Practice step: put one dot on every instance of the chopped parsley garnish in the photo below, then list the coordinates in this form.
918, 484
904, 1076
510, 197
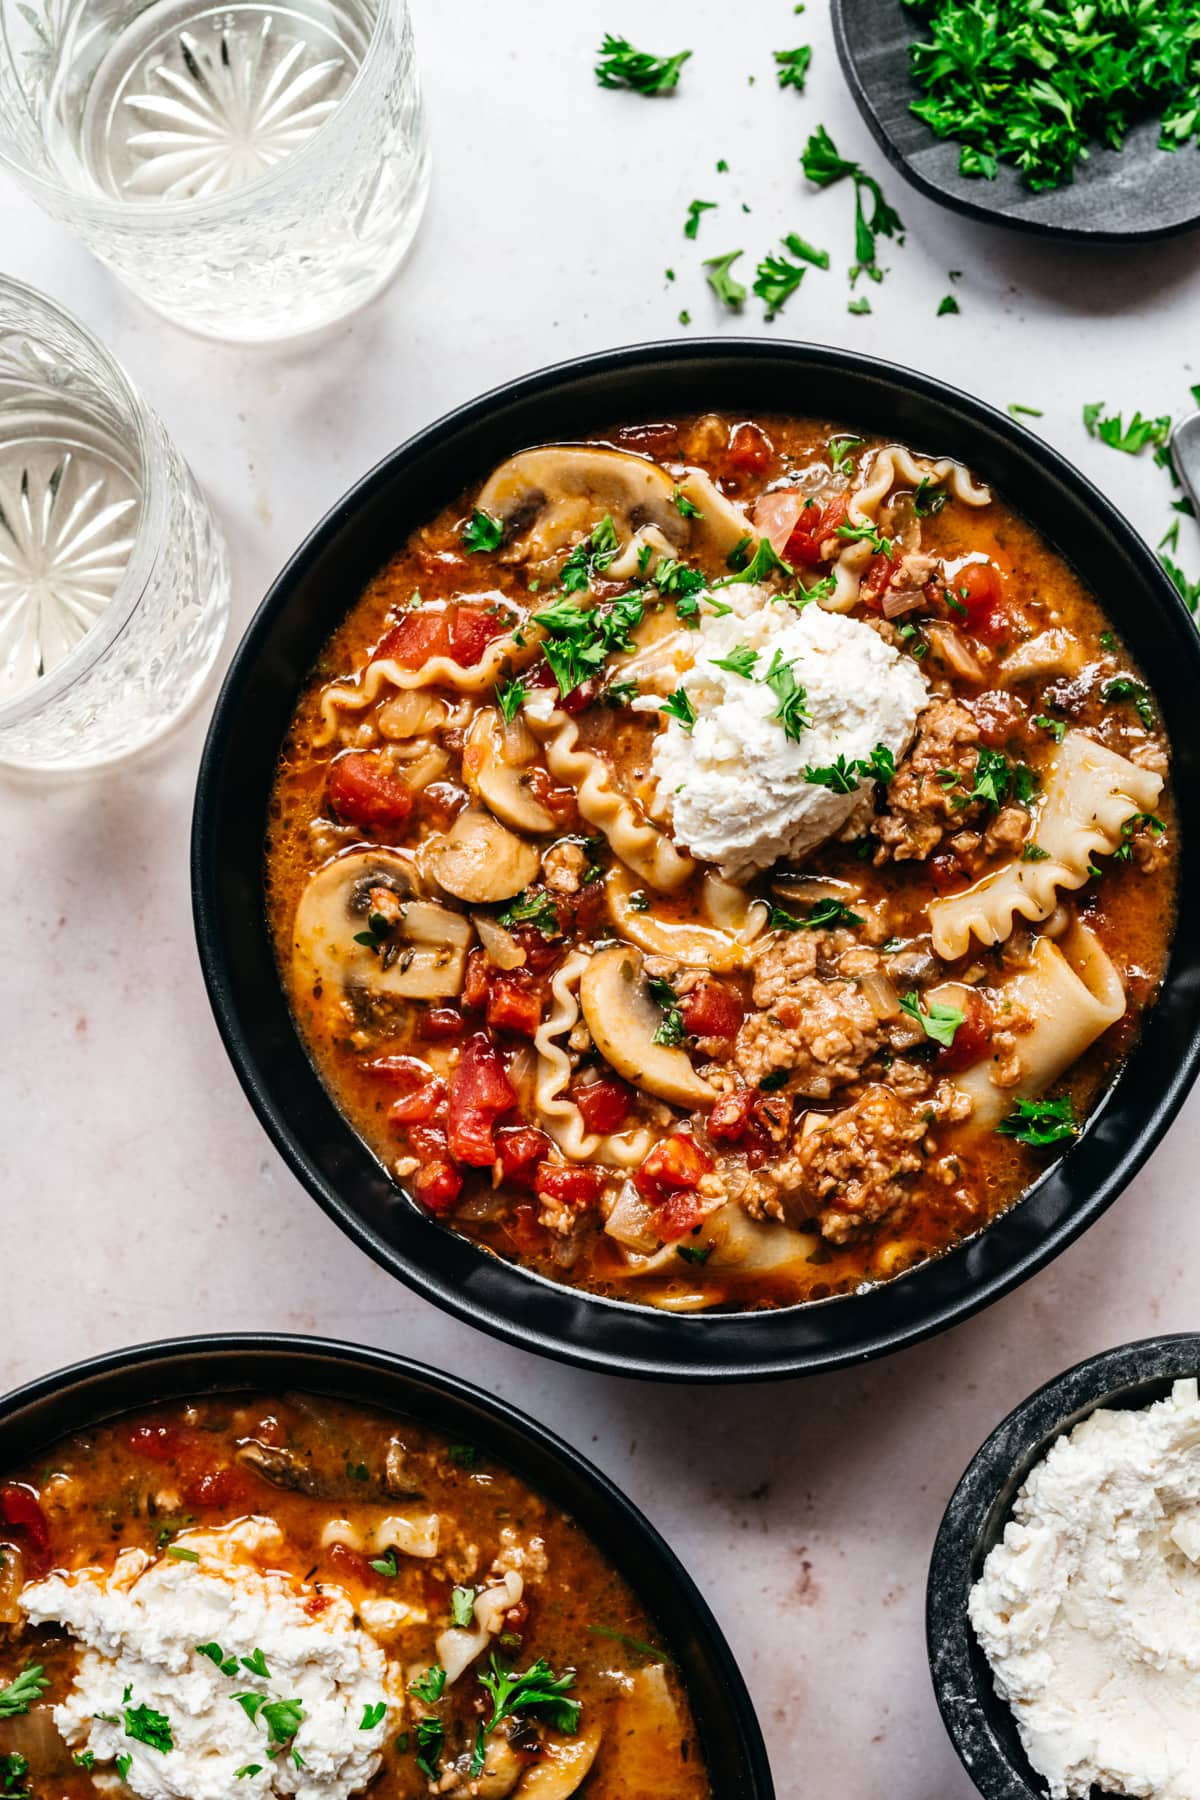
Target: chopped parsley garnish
947, 304
860, 306
228, 1665
257, 1665
677, 581
691, 1253
618, 693
1040, 1122
791, 66
13, 1769
462, 1605
429, 1687
1033, 85
463, 1456
482, 532
510, 697
640, 901
84, 1759
670, 1031
773, 1080
937, 1022
873, 217
358, 1471
1188, 591
124, 1764
386, 1565
177, 1552
991, 778
1129, 830
146, 1726
247, 1769
722, 281
1035, 853
1131, 438
740, 661
538, 910
1056, 727
1025, 783
776, 280
928, 499
805, 251
621, 66
840, 451
431, 1736
868, 533
842, 776
765, 561
373, 1715
1027, 412
695, 208
373, 938
826, 914
684, 506
579, 639
590, 557
1123, 687
792, 714
678, 706
537, 1690
20, 1694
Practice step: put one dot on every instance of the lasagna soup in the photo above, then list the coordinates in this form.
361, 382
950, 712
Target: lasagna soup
296, 1596
719, 865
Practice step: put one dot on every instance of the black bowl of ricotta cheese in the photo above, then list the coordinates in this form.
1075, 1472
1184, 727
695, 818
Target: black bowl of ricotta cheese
980, 1723
310, 598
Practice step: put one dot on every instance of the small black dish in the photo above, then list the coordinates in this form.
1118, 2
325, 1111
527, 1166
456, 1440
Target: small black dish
980, 1724
312, 595
73, 1399
1116, 196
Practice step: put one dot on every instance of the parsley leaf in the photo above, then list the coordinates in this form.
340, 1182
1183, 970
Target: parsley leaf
537, 1689
793, 714
510, 697
1129, 830
805, 251
20, 1694
947, 304
1131, 438
873, 217
678, 706
928, 498
538, 910
482, 532
1123, 687
1056, 727
462, 1605
740, 661
621, 66
695, 208
684, 506
373, 1715
825, 915
991, 778
765, 561
671, 1030
839, 776
937, 1022
840, 451
590, 557
431, 1736
146, 1726
775, 281
1040, 1122
867, 533
791, 66
722, 281
691, 1253
430, 1686
13, 1769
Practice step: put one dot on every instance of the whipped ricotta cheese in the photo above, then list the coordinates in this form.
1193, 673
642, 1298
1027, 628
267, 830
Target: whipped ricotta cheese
1089, 1609
139, 1625
733, 788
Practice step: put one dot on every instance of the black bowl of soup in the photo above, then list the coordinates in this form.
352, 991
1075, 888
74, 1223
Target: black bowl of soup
219, 1552
686, 859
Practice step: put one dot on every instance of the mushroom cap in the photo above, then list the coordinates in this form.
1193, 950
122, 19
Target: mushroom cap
622, 1018
479, 860
686, 940
553, 495
502, 785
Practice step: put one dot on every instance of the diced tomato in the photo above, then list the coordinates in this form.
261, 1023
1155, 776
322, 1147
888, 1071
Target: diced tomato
472, 629
316, 1604
998, 715
679, 1213
980, 588
223, 1486
363, 792
547, 792
158, 1442
480, 1093
730, 1116
350, 1566
418, 637
406, 1072
676, 1162
570, 1184
21, 1513
815, 524
946, 871
750, 449
513, 1005
540, 953
441, 1022
441, 802
438, 1182
520, 1148
877, 579
477, 980
580, 698
711, 1009
972, 1038
419, 1107
423, 1093
604, 1104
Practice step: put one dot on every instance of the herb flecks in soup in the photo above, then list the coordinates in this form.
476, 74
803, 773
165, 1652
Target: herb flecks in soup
718, 866
301, 1597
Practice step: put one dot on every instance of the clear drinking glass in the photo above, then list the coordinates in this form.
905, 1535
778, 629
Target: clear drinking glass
253, 171
114, 582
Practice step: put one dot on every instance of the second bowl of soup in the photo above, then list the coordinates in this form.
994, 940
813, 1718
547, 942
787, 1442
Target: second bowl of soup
718, 861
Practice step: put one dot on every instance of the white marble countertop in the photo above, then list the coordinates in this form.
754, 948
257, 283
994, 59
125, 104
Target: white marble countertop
141, 1197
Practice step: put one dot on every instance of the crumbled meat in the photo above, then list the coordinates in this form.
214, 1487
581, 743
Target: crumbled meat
822, 1032
923, 802
912, 572
564, 867
1149, 849
1007, 831
1150, 755
853, 1166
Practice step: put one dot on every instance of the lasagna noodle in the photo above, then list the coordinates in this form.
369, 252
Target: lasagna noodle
360, 693
561, 1117
1090, 794
888, 466
1073, 993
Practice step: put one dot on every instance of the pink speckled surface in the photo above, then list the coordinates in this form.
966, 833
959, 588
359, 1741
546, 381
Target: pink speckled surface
141, 1197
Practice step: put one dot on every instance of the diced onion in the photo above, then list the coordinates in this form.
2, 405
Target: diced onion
952, 650
500, 946
879, 994
901, 600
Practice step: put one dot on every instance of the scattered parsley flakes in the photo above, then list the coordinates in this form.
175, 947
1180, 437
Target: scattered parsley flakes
805, 251
1188, 591
538, 910
30, 1684
765, 561
481, 532
947, 304
722, 281
791, 66
824, 166
691, 1253
792, 714
678, 706
388, 1565
825, 915
1056, 727
228, 1665
775, 281
670, 1031
177, 1552
590, 557
840, 451
740, 661
1040, 1122
510, 697
1132, 438
462, 1606
929, 498
1030, 412
640, 901
537, 1690
992, 778
247, 1769
685, 317
695, 208
621, 66
147, 1726
429, 1687
1034, 853
463, 1456
1123, 687
860, 306
937, 1022
373, 1715
868, 533
684, 506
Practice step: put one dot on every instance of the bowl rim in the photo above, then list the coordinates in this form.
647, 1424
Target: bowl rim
225, 1362
1130, 1375
734, 1346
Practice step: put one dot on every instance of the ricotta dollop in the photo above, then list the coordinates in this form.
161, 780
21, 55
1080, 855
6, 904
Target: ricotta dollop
733, 787
1089, 1609
140, 1624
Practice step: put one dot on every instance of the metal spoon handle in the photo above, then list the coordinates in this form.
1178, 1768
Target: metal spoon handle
1185, 448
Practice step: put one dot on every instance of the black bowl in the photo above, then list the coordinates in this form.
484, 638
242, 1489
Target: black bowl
980, 1724
322, 581
74, 1399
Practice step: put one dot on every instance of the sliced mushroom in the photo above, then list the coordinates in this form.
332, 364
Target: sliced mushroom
683, 939
623, 1019
564, 1764
550, 497
502, 786
281, 1467
755, 1247
480, 860
418, 951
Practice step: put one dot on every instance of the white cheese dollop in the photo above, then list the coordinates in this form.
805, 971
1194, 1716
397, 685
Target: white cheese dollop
1089, 1609
734, 787
139, 1625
